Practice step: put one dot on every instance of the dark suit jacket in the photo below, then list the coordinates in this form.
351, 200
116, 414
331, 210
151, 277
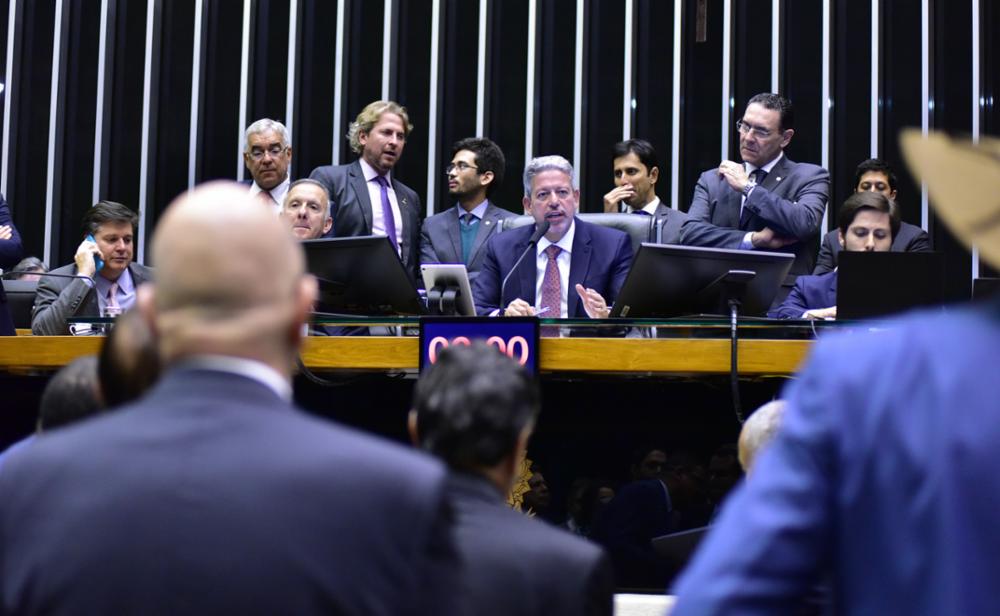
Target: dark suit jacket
809, 293
601, 259
514, 564
58, 299
351, 208
10, 254
790, 200
670, 221
214, 496
441, 238
910, 238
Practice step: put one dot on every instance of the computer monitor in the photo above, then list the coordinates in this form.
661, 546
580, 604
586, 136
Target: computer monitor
20, 300
361, 276
669, 281
874, 284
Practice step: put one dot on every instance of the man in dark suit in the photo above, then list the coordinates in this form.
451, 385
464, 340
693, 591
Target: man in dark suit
10, 253
267, 154
578, 268
213, 494
636, 172
107, 290
459, 234
867, 221
767, 202
475, 409
874, 174
366, 199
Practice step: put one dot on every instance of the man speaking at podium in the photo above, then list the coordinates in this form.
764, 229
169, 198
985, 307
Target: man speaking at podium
578, 268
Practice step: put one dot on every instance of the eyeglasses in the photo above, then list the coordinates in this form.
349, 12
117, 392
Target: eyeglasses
275, 151
460, 165
746, 128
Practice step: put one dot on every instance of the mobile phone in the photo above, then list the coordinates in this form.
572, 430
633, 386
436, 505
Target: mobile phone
98, 262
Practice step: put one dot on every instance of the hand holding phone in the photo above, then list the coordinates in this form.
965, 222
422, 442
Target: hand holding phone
98, 261
88, 257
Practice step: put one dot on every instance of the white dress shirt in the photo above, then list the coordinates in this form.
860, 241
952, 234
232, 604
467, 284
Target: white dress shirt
563, 262
277, 193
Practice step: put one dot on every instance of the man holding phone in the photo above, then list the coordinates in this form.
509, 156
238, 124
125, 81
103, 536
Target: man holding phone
101, 281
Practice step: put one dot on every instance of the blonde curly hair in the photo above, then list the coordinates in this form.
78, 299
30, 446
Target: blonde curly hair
368, 118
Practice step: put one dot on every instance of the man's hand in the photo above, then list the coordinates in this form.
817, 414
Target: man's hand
84, 258
5, 232
821, 313
767, 238
734, 174
519, 308
593, 304
616, 196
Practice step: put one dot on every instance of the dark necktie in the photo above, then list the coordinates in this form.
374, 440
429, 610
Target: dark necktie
469, 228
745, 213
388, 220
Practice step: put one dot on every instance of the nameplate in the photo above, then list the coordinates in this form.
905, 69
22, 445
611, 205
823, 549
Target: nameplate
515, 337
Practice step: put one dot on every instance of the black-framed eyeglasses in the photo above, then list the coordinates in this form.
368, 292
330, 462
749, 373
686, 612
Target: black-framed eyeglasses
275, 151
460, 165
746, 128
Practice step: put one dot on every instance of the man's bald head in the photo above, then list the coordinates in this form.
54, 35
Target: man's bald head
229, 279
759, 430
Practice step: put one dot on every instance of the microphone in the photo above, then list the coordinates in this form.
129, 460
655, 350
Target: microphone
17, 275
540, 230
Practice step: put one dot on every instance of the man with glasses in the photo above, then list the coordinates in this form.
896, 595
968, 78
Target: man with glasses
365, 196
767, 202
267, 154
459, 234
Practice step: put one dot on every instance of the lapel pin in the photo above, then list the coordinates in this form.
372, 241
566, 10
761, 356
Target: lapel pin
486, 222
778, 179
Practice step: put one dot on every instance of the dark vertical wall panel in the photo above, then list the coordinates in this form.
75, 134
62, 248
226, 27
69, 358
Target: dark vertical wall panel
413, 53
74, 170
506, 90
313, 128
701, 96
952, 111
602, 99
801, 76
989, 84
171, 120
5, 30
218, 118
363, 72
901, 86
555, 52
458, 91
269, 53
654, 74
751, 60
851, 123
29, 137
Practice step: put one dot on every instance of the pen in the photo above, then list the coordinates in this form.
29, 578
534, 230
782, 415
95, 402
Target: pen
541, 311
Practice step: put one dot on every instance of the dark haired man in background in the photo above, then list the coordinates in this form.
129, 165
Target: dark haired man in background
636, 172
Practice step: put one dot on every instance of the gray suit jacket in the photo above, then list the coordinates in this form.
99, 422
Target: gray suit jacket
441, 238
351, 208
670, 222
790, 200
909, 238
58, 299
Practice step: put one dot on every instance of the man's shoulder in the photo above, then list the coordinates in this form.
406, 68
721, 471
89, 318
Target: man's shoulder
789, 166
492, 209
333, 172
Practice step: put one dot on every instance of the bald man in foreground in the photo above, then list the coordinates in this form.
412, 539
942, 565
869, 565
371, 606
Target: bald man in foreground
213, 494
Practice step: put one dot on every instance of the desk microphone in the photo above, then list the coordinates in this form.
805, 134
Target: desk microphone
540, 230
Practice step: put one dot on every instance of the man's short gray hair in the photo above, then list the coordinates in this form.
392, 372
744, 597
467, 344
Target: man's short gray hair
547, 163
263, 125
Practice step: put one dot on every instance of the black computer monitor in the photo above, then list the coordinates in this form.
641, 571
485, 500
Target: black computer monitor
669, 281
874, 284
361, 276
20, 300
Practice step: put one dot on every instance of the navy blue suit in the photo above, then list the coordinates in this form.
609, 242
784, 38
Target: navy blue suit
809, 293
883, 475
212, 495
10, 254
600, 260
790, 201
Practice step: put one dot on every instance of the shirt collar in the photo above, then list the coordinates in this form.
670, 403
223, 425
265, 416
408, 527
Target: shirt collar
479, 211
277, 193
371, 173
650, 208
566, 242
767, 168
125, 284
249, 368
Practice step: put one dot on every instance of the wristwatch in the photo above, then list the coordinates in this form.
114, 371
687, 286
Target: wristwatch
746, 189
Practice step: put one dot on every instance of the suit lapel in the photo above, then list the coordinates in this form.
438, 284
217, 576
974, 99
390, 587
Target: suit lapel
579, 265
733, 201
360, 186
528, 269
486, 226
405, 210
453, 229
776, 177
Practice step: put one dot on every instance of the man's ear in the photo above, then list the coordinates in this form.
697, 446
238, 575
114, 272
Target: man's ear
654, 175
411, 427
486, 178
526, 202
786, 137
840, 238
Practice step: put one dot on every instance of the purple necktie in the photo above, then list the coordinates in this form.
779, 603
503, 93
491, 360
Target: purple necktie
388, 220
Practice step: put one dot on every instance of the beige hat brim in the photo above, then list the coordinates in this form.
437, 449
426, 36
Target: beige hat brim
963, 182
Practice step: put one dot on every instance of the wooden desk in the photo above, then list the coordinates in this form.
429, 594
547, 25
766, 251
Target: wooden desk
608, 355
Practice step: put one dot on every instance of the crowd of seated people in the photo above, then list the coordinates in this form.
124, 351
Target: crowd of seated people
764, 201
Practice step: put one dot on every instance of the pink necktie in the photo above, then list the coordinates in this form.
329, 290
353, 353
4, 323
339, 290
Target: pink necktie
111, 308
551, 290
265, 198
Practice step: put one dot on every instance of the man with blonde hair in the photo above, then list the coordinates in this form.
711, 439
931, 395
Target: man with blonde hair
366, 198
213, 494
